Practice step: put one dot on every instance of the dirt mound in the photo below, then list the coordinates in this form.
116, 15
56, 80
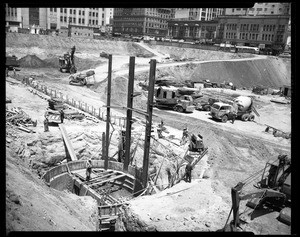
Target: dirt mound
23, 44
200, 54
271, 72
81, 64
31, 61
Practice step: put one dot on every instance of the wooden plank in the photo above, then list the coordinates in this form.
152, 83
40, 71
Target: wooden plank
98, 178
68, 143
107, 180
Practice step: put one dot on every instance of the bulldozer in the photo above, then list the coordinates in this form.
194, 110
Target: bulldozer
66, 62
274, 191
82, 79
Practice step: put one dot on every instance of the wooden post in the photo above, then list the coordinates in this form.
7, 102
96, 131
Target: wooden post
149, 121
108, 109
129, 112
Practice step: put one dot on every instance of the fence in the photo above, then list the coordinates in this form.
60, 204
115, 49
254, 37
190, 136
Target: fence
98, 113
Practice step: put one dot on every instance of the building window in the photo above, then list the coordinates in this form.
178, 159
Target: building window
74, 19
96, 14
61, 18
70, 11
65, 10
79, 12
79, 20
102, 15
61, 10
93, 13
96, 22
65, 19
83, 13
51, 9
74, 11
93, 22
82, 21
272, 12
102, 9
54, 9
90, 14
102, 22
90, 21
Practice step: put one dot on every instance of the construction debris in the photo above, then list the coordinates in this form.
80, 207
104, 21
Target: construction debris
56, 104
17, 117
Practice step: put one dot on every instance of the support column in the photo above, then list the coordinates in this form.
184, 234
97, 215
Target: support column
108, 110
129, 112
149, 121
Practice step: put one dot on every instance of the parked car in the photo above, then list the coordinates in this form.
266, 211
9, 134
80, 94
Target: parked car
181, 41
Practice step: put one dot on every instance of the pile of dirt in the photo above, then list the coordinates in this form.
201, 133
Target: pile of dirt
31, 61
81, 64
200, 54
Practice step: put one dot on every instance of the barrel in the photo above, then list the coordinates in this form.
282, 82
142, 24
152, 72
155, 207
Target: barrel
243, 102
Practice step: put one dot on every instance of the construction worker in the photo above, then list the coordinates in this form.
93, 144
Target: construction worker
188, 172
46, 126
185, 135
88, 169
72, 54
233, 112
160, 129
62, 115
121, 151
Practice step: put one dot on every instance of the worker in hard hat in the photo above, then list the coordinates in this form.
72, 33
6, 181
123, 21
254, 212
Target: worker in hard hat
185, 135
88, 169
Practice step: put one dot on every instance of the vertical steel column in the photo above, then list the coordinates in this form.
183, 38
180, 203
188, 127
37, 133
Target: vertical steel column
108, 110
149, 121
103, 145
129, 112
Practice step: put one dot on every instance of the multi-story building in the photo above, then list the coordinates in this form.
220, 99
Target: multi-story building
93, 17
192, 30
13, 18
56, 18
204, 14
141, 21
263, 31
261, 9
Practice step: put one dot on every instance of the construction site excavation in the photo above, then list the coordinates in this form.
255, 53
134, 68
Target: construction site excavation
106, 135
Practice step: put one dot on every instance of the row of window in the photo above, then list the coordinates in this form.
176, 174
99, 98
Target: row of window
80, 21
73, 11
231, 26
11, 11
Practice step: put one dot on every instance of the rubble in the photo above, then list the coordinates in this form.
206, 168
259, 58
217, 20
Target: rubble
17, 117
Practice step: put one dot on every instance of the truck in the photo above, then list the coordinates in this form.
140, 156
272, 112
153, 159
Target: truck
205, 105
66, 62
178, 99
82, 79
11, 64
243, 105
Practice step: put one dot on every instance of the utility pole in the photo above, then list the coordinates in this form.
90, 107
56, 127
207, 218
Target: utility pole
129, 112
149, 121
108, 110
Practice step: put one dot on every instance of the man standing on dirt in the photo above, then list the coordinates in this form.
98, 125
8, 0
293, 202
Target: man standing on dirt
46, 127
62, 116
185, 135
234, 112
72, 54
188, 172
88, 169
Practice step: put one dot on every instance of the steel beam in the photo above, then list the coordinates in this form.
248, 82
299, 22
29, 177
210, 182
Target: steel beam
149, 121
67, 142
129, 112
108, 110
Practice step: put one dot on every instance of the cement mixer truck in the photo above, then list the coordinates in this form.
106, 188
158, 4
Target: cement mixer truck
243, 105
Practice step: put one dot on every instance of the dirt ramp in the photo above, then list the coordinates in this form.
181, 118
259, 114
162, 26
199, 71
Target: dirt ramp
271, 72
